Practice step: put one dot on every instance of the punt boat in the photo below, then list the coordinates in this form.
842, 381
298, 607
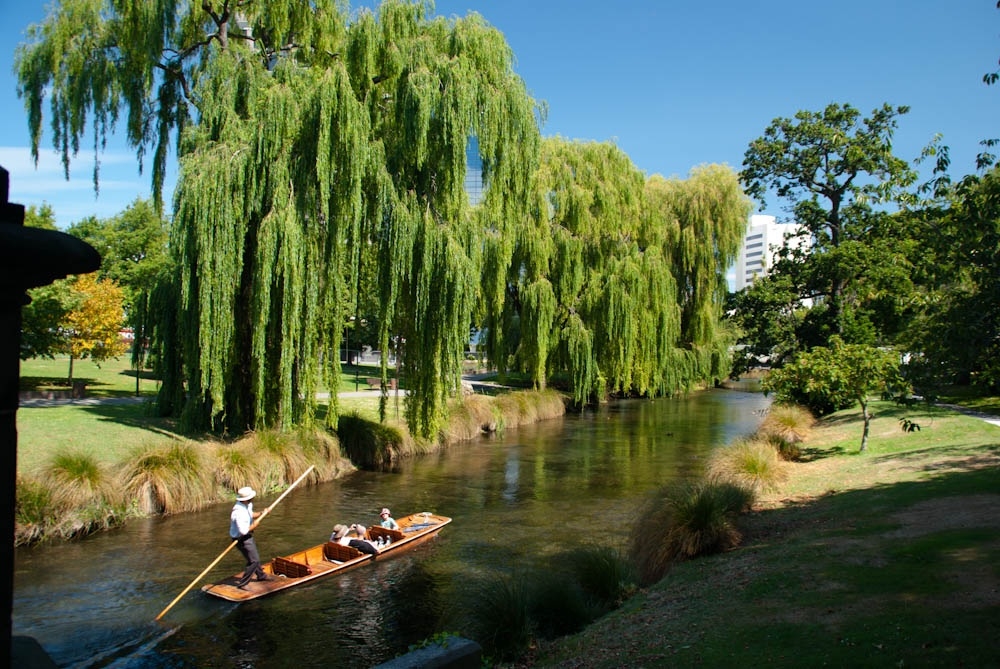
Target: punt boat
330, 558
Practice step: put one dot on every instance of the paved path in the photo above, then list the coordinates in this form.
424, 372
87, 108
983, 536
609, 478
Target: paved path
989, 418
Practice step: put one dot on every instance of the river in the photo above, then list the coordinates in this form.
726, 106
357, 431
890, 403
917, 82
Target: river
532, 491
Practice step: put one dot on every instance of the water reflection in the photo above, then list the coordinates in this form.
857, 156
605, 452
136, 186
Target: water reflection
515, 498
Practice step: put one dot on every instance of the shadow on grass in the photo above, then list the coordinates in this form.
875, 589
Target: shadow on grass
145, 374
137, 415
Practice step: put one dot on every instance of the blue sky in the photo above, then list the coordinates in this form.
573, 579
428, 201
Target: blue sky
674, 85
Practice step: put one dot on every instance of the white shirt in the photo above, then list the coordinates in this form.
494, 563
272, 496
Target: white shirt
240, 519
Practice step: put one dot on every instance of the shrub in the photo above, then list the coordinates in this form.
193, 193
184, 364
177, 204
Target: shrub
751, 463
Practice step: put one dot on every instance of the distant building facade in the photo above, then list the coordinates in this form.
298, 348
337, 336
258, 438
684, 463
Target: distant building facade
765, 236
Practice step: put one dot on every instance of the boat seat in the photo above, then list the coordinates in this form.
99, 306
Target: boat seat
290, 568
375, 531
339, 553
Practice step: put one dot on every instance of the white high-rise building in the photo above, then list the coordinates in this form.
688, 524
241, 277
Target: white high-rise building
760, 247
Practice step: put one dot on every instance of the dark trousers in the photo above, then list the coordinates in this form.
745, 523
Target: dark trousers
247, 546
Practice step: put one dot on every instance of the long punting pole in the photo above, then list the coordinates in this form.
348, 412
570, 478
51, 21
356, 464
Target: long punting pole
230, 546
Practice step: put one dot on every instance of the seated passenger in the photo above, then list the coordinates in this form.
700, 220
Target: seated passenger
388, 521
353, 536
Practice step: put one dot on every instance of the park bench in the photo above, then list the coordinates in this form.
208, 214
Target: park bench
376, 384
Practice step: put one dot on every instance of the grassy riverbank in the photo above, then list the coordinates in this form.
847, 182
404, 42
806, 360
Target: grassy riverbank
888, 558
87, 466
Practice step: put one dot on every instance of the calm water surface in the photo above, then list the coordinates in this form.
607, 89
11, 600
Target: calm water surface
534, 491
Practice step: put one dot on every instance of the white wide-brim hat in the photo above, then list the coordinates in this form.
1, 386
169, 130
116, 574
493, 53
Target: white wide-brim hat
245, 494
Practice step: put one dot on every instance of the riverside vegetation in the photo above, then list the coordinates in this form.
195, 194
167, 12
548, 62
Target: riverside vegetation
84, 468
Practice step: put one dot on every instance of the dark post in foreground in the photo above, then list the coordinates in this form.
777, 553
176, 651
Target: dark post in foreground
29, 258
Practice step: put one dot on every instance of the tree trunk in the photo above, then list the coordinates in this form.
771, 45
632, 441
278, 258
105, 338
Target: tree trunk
71, 370
868, 420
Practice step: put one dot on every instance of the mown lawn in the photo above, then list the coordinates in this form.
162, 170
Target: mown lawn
110, 431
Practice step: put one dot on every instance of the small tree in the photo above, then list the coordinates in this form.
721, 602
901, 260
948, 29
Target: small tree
826, 379
94, 326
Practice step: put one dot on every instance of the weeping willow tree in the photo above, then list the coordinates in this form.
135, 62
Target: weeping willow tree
707, 215
308, 140
618, 281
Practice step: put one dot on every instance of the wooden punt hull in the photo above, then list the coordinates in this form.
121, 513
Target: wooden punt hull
326, 559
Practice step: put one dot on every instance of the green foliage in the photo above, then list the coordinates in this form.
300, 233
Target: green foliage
592, 288
827, 379
833, 167
326, 181
42, 320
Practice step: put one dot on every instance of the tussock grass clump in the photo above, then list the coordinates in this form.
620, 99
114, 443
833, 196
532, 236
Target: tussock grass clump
78, 479
240, 464
751, 462
168, 479
278, 447
59, 506
604, 574
322, 449
35, 510
684, 521
470, 416
558, 606
369, 444
528, 406
499, 614
786, 426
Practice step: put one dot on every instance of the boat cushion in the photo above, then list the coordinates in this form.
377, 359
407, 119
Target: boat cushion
290, 568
